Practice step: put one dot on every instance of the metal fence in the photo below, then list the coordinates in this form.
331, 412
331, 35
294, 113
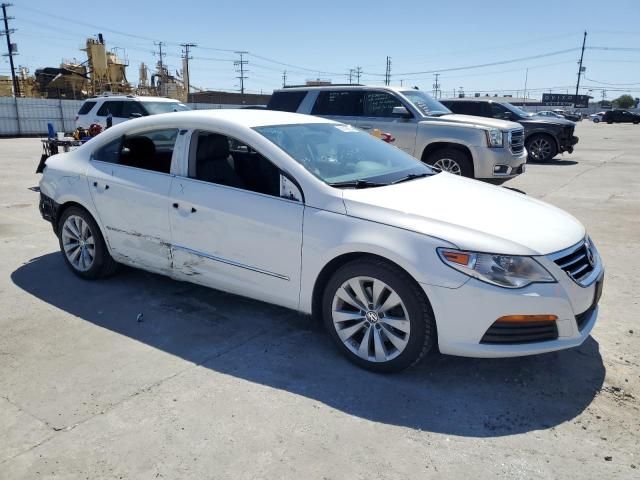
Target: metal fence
30, 116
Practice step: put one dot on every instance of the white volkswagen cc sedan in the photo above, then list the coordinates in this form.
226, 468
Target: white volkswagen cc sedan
322, 218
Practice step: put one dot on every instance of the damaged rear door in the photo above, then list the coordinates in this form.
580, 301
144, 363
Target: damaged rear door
130, 180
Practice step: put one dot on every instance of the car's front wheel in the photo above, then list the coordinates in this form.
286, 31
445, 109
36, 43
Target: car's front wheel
541, 148
378, 316
83, 246
596, 120
452, 161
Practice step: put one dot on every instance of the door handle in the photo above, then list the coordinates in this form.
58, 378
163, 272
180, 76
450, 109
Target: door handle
95, 184
193, 210
106, 187
175, 205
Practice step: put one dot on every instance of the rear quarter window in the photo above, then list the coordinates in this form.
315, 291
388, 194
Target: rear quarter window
286, 101
86, 108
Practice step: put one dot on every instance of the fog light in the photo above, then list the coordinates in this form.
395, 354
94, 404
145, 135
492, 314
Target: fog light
501, 169
527, 318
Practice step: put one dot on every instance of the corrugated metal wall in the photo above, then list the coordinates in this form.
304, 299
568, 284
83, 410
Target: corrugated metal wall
29, 116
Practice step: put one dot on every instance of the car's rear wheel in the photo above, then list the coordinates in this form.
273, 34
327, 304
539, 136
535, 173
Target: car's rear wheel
378, 316
83, 246
541, 148
452, 161
596, 120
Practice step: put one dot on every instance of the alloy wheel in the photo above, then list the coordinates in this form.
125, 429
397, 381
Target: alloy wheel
540, 148
78, 243
448, 165
371, 319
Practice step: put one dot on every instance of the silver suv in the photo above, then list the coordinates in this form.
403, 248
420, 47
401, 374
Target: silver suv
482, 148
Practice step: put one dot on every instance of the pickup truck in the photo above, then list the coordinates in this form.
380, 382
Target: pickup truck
487, 149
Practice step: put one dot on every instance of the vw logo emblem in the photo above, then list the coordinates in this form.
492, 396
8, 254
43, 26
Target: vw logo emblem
372, 316
590, 257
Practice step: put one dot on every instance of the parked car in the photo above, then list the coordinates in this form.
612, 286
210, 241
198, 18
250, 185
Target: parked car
597, 117
490, 150
122, 108
392, 255
549, 113
573, 116
544, 137
620, 116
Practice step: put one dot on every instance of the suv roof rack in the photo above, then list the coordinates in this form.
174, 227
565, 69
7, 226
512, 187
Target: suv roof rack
329, 85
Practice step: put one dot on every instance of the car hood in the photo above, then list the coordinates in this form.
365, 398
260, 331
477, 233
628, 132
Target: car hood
469, 214
477, 121
547, 121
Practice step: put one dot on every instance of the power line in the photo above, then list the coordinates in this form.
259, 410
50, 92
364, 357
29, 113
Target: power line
11, 48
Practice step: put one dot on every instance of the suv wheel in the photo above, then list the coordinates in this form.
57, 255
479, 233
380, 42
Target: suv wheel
83, 246
377, 315
452, 161
541, 148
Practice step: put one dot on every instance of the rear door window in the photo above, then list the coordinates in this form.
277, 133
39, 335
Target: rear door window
286, 101
86, 108
113, 108
339, 103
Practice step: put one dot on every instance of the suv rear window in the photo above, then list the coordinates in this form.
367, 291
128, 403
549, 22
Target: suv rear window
345, 103
86, 108
286, 101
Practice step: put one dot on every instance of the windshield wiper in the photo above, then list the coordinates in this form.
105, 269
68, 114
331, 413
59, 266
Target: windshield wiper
412, 176
357, 184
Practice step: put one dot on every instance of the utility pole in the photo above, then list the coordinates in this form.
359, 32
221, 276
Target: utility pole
358, 73
436, 86
185, 66
351, 73
526, 78
11, 48
240, 65
161, 55
584, 40
284, 79
387, 74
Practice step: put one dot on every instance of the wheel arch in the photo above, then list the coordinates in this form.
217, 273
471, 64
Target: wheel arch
431, 148
545, 134
62, 207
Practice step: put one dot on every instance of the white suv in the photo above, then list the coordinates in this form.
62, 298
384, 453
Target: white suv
122, 108
483, 148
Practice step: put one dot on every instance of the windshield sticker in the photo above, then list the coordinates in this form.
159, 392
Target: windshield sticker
346, 128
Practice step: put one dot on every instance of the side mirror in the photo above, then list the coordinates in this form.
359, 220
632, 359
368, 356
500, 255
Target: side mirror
401, 112
289, 190
507, 116
135, 115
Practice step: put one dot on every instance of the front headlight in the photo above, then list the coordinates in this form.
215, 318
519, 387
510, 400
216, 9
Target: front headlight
503, 270
494, 137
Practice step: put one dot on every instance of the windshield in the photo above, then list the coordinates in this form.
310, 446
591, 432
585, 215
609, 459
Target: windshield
337, 153
425, 103
517, 111
154, 108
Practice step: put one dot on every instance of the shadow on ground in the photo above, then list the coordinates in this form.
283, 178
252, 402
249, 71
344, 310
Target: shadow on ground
561, 162
276, 347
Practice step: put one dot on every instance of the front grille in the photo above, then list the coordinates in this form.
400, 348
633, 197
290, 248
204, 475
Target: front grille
582, 318
579, 263
516, 141
515, 333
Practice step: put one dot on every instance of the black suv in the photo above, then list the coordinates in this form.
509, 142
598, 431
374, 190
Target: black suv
621, 116
545, 137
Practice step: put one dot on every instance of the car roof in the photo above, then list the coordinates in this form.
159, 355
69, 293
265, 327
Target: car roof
131, 98
342, 87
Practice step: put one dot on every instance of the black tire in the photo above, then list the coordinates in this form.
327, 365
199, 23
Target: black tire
461, 159
596, 120
103, 264
541, 147
422, 334
609, 122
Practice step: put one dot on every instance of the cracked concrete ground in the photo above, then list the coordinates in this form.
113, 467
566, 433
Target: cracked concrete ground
211, 385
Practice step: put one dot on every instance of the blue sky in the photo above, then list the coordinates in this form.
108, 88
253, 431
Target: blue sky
326, 39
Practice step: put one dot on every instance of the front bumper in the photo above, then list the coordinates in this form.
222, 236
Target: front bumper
465, 314
567, 144
497, 163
